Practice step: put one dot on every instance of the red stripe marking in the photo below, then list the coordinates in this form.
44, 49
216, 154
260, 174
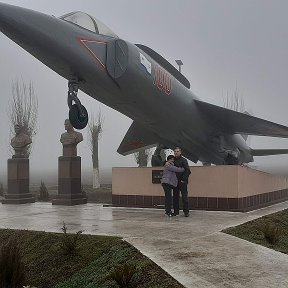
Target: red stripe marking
83, 40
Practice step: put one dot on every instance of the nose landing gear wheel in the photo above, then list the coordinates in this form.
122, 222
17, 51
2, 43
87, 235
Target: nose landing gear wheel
78, 115
78, 120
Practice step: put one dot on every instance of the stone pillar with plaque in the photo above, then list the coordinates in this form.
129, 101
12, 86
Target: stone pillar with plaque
69, 169
18, 170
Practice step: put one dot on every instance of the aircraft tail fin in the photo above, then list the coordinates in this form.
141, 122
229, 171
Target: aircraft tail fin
266, 152
137, 137
232, 122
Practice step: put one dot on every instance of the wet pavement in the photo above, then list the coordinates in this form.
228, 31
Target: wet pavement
192, 250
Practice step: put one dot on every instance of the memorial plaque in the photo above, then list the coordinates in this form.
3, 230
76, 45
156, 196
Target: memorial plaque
157, 176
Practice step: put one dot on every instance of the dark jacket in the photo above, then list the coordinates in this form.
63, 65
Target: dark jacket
182, 162
169, 174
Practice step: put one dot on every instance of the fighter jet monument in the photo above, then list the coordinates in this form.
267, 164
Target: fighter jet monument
138, 82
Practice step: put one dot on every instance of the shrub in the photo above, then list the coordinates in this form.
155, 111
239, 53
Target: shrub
69, 242
122, 275
83, 192
43, 192
12, 273
271, 233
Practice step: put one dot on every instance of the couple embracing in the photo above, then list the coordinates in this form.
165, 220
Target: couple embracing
175, 178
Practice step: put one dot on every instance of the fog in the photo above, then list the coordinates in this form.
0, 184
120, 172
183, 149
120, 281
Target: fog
223, 44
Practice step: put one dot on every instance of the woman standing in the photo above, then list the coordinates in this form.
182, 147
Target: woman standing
169, 181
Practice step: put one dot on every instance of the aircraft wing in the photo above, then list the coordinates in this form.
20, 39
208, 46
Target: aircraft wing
136, 138
266, 152
232, 122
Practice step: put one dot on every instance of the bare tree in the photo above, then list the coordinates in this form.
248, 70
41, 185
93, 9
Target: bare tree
23, 110
142, 157
95, 129
234, 101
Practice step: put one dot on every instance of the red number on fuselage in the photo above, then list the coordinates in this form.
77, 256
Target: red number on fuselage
162, 80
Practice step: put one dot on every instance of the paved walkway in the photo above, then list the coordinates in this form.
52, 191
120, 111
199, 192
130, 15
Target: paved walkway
192, 250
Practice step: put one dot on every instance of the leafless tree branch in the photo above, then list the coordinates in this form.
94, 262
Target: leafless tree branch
95, 129
234, 101
23, 110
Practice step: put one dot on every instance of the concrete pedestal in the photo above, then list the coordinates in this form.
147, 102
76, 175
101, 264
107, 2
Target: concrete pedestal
228, 188
69, 182
18, 182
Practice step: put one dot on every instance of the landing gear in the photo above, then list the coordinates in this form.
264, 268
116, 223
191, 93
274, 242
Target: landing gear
78, 115
77, 119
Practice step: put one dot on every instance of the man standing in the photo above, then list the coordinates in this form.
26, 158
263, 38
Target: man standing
180, 161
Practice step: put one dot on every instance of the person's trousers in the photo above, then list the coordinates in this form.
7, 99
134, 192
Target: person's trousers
168, 196
182, 187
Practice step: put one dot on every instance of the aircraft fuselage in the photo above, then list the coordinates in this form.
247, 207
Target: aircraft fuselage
124, 77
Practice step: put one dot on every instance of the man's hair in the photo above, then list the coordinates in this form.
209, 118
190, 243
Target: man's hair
178, 148
170, 157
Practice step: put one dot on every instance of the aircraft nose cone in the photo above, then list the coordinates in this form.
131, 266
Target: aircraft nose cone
20, 24
12, 21
8, 15
25, 27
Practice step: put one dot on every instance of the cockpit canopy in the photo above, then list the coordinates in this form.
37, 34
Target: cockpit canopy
88, 22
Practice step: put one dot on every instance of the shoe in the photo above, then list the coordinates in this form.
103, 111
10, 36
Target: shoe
169, 214
175, 214
186, 214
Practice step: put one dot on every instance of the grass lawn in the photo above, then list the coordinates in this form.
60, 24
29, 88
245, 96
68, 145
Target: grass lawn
251, 230
46, 265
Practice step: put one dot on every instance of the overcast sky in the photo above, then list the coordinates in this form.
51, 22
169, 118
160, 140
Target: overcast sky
221, 43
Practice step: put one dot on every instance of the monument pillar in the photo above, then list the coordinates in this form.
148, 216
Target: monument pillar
18, 171
69, 170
